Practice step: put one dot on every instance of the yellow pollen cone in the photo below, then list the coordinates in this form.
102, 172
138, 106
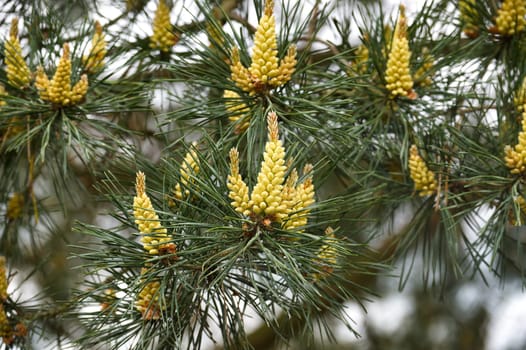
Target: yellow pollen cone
511, 17
94, 61
265, 71
424, 179
18, 74
163, 37
155, 238
397, 75
515, 157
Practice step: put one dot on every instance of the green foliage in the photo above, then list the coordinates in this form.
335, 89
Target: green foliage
220, 267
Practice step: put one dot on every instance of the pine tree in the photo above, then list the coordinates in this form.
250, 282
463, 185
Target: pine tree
171, 169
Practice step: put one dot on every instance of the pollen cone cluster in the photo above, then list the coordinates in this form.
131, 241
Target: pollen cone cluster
388, 38
299, 197
265, 65
154, 238
58, 90
3, 280
5, 327
163, 38
18, 74
15, 126
2, 94
327, 255
424, 179
94, 61
397, 74
522, 203
519, 219
511, 17
189, 168
238, 188
274, 196
10, 329
423, 76
266, 197
359, 64
265, 71
515, 157
15, 205
237, 109
520, 97
148, 301
469, 17
214, 33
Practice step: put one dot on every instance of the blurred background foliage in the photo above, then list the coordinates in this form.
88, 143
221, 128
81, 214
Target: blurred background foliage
438, 221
